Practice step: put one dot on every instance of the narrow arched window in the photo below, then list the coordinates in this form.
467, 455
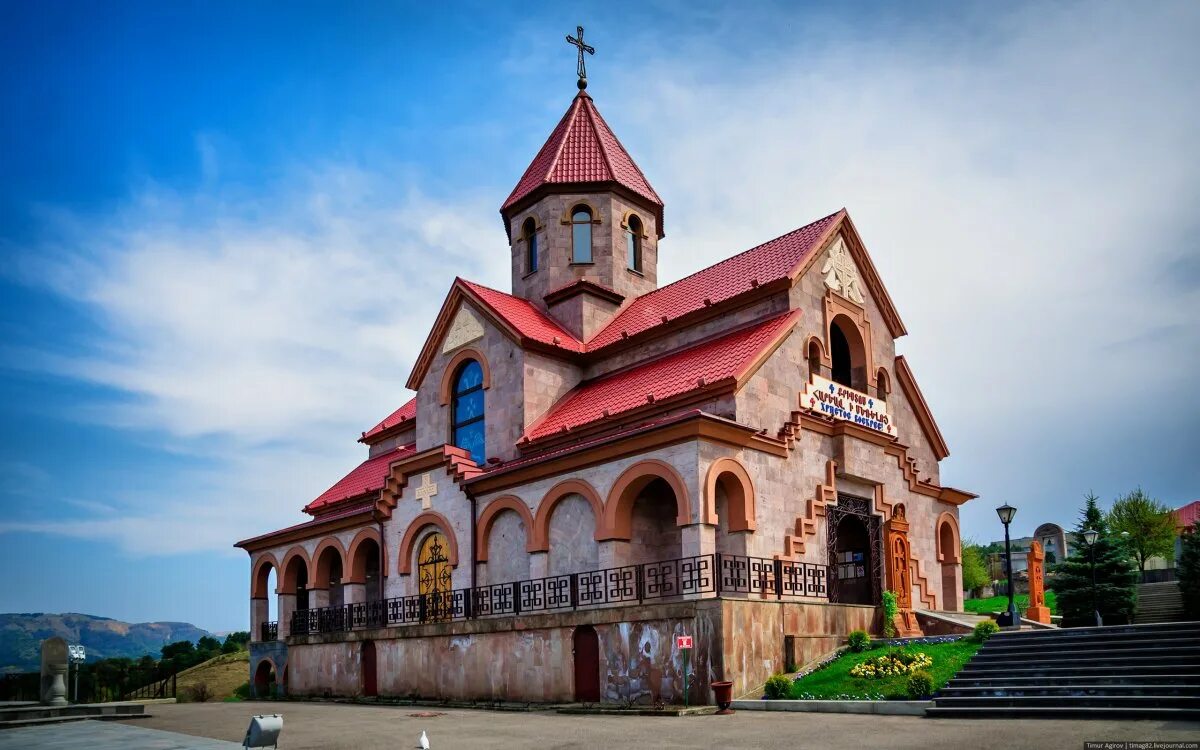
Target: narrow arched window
633, 244
468, 423
581, 234
848, 354
531, 246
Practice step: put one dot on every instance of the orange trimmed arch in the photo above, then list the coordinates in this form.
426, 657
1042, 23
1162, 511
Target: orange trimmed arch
739, 489
541, 536
409, 542
950, 523
488, 517
261, 573
290, 568
323, 564
357, 571
446, 387
618, 509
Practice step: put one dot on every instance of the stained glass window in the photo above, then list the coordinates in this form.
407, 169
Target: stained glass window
468, 411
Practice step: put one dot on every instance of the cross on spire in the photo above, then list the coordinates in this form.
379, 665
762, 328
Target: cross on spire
580, 68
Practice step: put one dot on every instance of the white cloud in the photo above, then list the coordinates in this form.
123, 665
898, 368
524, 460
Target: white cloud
1025, 183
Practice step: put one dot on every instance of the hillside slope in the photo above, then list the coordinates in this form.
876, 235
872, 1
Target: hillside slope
221, 674
21, 635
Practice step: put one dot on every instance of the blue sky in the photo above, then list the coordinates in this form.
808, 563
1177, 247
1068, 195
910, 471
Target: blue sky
225, 228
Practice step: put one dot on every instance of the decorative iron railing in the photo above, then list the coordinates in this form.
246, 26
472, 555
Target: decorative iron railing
269, 631
715, 575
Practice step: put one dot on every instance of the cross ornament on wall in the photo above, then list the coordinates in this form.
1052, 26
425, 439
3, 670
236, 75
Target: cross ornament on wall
426, 490
580, 68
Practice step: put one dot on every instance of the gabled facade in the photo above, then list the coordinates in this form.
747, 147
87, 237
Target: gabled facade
590, 440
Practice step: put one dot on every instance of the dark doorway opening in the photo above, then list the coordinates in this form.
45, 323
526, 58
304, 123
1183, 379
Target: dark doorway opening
370, 686
264, 679
586, 648
854, 547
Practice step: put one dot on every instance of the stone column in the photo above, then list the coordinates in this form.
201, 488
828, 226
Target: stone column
287, 605
318, 598
612, 553
354, 593
1037, 587
539, 564
259, 612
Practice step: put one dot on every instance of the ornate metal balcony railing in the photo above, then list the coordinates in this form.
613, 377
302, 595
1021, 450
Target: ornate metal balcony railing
713, 575
269, 631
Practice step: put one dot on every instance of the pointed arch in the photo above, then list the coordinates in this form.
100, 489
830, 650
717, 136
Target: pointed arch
540, 539
357, 570
409, 542
739, 489
618, 509
948, 522
259, 575
488, 517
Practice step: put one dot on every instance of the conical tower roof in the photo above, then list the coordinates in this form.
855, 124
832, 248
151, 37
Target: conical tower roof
582, 154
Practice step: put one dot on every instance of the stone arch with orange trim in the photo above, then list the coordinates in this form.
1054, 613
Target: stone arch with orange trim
446, 387
947, 519
413, 532
259, 576
287, 574
488, 517
357, 570
739, 491
541, 524
618, 509
321, 572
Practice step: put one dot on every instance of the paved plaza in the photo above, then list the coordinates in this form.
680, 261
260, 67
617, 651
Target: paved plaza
313, 726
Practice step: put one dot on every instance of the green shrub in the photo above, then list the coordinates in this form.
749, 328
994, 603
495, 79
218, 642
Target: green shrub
920, 685
985, 630
242, 691
778, 686
859, 641
890, 610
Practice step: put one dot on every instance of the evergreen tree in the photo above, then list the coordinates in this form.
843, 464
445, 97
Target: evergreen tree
1116, 575
1188, 571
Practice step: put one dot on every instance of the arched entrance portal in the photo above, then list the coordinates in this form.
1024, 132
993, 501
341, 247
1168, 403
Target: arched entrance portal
434, 579
264, 679
586, 648
854, 547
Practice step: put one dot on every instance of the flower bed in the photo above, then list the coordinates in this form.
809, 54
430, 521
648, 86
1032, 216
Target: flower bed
845, 677
892, 664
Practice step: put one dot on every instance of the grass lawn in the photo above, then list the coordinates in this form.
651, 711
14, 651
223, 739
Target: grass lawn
1000, 604
835, 680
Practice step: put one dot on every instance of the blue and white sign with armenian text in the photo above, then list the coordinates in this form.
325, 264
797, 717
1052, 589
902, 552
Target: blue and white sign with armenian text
837, 401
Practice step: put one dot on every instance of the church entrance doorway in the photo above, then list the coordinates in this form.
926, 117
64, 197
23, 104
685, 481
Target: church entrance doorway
434, 579
370, 686
854, 547
586, 648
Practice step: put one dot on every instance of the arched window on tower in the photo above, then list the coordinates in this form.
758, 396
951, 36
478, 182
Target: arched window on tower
814, 358
633, 244
467, 414
848, 353
581, 234
529, 232
883, 384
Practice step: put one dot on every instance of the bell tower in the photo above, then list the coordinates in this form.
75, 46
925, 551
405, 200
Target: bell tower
583, 221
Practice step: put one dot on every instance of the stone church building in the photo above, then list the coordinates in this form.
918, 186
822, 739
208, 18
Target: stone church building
594, 463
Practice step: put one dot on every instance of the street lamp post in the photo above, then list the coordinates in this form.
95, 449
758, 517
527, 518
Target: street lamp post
1009, 618
1090, 536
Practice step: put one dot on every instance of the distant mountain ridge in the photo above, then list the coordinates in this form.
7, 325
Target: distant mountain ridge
21, 636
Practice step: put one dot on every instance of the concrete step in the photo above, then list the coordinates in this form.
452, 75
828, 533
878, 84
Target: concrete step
1096, 643
1048, 712
1078, 690
973, 672
1067, 659
1105, 630
1059, 680
1073, 701
9, 716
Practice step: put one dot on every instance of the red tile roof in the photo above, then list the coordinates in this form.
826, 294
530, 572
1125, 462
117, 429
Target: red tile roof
582, 149
724, 358
369, 476
525, 317
1186, 516
771, 261
403, 414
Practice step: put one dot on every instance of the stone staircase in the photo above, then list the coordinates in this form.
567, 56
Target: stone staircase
1121, 671
1159, 602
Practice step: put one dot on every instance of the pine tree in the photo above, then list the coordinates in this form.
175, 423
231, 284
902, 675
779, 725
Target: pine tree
1116, 575
1188, 571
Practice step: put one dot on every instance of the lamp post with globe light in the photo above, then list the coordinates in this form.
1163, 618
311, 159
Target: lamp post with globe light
1091, 536
1009, 618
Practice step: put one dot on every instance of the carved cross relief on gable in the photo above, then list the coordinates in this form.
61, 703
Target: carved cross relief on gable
841, 275
426, 490
465, 329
